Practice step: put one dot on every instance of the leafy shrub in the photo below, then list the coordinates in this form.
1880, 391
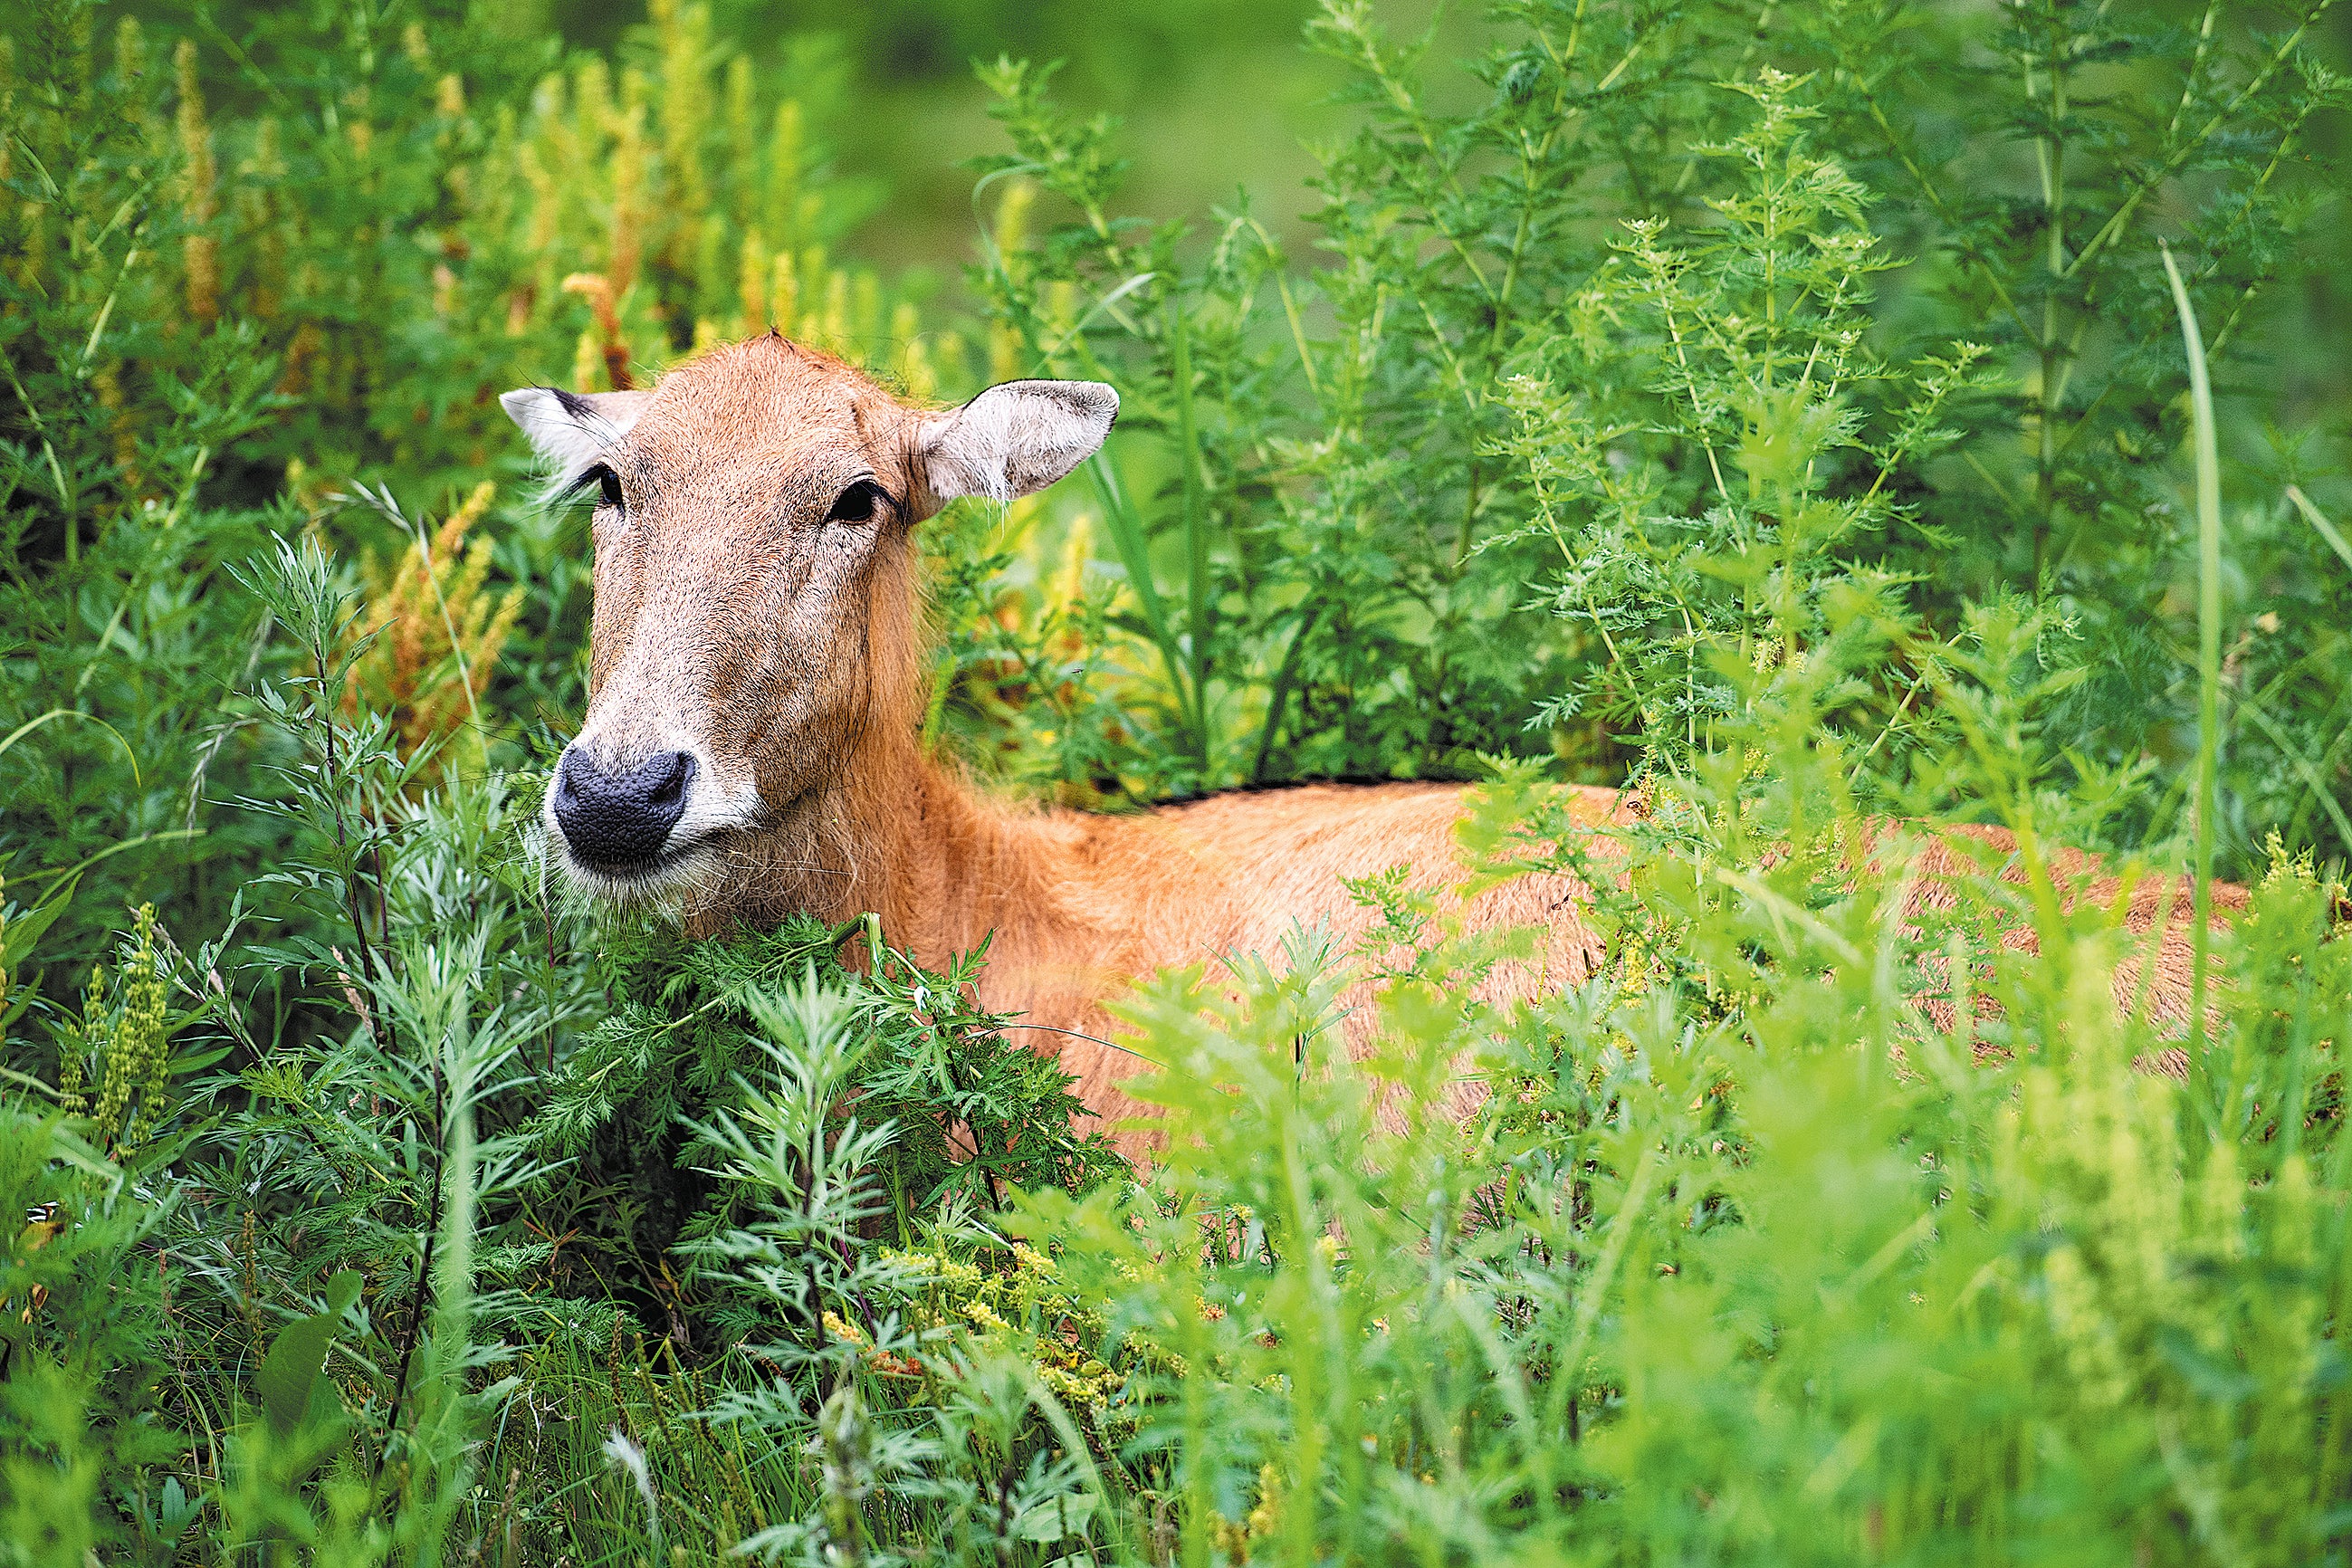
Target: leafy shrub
651, 1101
1360, 558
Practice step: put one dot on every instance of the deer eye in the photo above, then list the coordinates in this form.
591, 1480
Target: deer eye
857, 503
602, 481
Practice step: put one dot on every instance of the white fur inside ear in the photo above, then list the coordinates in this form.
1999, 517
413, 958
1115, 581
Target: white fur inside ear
1015, 438
570, 430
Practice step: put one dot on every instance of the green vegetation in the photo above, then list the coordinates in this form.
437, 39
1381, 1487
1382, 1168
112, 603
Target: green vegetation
1800, 416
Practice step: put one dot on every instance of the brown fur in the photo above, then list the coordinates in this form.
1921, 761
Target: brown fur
791, 648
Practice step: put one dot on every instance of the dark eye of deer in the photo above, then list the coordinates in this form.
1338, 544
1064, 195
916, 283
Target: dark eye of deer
857, 503
608, 488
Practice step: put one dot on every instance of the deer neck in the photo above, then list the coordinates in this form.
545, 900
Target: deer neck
897, 835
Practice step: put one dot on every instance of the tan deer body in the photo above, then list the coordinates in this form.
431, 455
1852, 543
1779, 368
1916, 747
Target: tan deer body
1077, 905
750, 747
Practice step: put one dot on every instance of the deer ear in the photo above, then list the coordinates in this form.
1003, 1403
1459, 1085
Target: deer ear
1014, 440
569, 429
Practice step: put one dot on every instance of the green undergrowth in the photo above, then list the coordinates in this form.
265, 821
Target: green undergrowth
1820, 424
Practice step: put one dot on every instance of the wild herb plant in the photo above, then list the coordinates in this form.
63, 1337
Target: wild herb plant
1339, 533
2037, 160
1329, 479
652, 1101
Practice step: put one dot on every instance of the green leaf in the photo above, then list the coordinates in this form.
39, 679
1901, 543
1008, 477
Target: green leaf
197, 1061
179, 1509
1056, 1519
25, 929
289, 1378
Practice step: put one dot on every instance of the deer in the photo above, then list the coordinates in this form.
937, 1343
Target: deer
751, 744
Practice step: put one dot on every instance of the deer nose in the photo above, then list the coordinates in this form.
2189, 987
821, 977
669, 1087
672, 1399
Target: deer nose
621, 818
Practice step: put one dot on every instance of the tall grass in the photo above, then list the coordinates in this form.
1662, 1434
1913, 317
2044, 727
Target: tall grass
2209, 645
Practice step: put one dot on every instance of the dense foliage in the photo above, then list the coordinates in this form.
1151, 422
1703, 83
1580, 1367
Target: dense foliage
1798, 416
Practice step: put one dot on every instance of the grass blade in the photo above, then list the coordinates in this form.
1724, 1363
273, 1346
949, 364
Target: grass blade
1134, 549
29, 725
2209, 650
2311, 776
1279, 698
1200, 602
2318, 520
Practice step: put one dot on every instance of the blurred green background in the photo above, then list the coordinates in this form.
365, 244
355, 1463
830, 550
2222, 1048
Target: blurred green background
1215, 96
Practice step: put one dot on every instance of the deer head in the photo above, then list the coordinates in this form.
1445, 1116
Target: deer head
753, 646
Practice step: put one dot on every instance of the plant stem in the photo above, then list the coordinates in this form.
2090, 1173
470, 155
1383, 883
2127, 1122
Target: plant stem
2208, 651
1280, 697
423, 1293
1200, 598
2050, 150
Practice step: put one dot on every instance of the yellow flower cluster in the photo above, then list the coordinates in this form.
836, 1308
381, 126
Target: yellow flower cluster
681, 181
1079, 1380
939, 1268
438, 635
1234, 1538
1003, 1304
609, 187
121, 1041
200, 199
